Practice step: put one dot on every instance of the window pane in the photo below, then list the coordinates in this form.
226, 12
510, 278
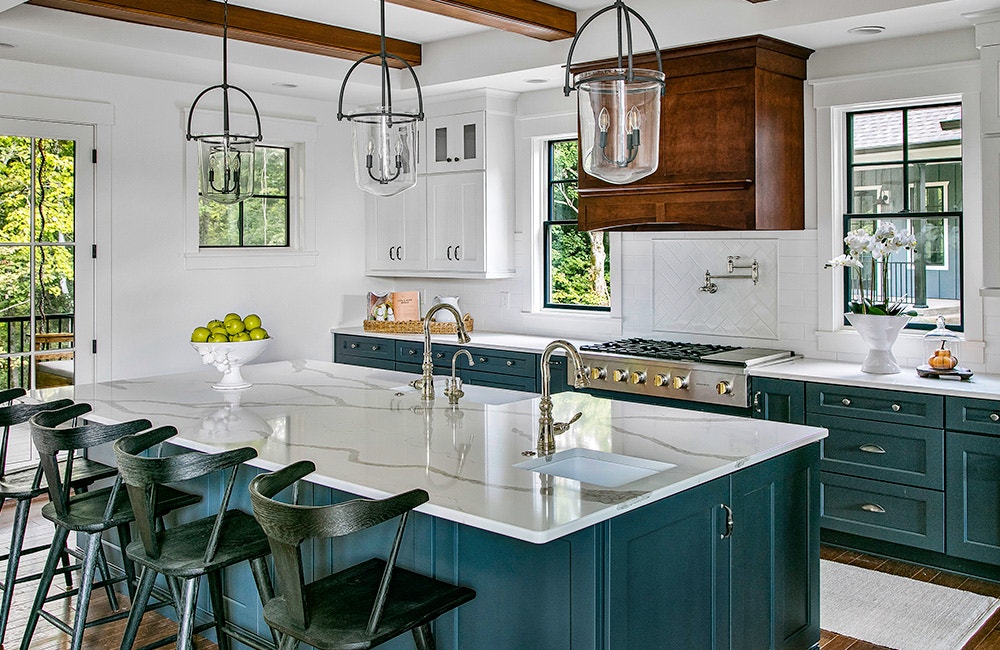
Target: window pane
219, 224
877, 190
54, 286
563, 202
878, 137
15, 179
272, 171
253, 222
54, 166
564, 155
934, 132
14, 282
942, 187
579, 269
276, 222
14, 373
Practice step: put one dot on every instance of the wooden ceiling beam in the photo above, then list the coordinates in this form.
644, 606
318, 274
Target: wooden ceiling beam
250, 25
528, 17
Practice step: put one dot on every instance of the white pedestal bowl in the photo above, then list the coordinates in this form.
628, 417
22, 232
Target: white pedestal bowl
228, 358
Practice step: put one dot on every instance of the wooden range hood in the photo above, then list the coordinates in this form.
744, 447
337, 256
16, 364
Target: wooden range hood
731, 144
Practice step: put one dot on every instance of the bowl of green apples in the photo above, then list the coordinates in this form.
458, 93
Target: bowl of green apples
228, 344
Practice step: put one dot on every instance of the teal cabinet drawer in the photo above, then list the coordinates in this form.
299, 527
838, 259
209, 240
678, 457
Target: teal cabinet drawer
413, 352
875, 404
893, 513
362, 346
973, 415
505, 362
886, 452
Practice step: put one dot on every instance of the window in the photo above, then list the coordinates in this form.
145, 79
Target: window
577, 264
261, 220
919, 149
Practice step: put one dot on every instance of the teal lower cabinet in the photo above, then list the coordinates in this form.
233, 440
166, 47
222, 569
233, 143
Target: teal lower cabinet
778, 400
973, 478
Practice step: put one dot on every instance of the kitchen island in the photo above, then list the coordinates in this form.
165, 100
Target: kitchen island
718, 547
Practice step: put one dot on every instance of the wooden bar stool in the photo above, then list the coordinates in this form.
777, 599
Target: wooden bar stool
184, 553
359, 607
22, 485
88, 514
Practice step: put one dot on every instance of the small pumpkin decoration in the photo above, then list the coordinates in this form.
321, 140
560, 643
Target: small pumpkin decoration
942, 359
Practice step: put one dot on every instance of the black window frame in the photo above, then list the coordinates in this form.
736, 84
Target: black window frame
547, 225
906, 213
257, 195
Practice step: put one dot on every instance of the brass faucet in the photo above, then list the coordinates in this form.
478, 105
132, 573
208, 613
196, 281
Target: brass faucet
426, 381
454, 390
547, 429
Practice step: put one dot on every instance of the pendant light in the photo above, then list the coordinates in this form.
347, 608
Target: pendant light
225, 160
619, 108
385, 139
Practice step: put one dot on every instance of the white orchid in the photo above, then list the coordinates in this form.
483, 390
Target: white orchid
879, 247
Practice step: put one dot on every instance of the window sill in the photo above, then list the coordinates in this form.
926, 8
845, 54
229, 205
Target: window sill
249, 258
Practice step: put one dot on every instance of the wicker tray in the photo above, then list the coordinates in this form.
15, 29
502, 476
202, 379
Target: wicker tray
415, 326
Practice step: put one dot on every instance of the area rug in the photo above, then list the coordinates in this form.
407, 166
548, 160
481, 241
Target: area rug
898, 612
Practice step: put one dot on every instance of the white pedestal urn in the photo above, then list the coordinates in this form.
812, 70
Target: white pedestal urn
879, 333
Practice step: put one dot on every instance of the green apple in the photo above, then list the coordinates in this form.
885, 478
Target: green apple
251, 322
220, 330
218, 338
212, 324
234, 326
232, 316
258, 333
200, 334
242, 336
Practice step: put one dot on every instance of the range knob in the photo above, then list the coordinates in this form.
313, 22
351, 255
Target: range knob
620, 375
680, 383
724, 388
639, 377
661, 380
598, 373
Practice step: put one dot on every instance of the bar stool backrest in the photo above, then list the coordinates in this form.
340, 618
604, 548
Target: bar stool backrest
143, 475
13, 414
51, 438
287, 526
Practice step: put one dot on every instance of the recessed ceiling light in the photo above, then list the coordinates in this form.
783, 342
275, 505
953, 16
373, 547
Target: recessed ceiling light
866, 29
284, 84
7, 46
536, 81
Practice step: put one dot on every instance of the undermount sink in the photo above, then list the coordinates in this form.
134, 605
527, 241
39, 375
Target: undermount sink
602, 468
475, 394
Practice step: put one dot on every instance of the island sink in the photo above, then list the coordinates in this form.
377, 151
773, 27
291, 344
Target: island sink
602, 468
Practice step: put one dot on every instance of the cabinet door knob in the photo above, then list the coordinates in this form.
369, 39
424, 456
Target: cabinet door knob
411, 352
439, 355
354, 346
374, 348
845, 402
399, 253
447, 159
456, 253
510, 363
871, 449
873, 507
449, 253
391, 253
482, 359
895, 407
994, 417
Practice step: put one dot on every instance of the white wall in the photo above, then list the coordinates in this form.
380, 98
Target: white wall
154, 301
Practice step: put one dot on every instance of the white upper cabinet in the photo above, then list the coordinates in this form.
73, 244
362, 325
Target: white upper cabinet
396, 239
456, 215
456, 143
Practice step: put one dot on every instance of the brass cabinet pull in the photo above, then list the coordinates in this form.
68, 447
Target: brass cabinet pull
895, 407
871, 449
845, 402
729, 522
994, 417
873, 507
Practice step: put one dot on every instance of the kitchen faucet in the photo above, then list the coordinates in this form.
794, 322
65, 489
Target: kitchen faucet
426, 381
454, 390
547, 429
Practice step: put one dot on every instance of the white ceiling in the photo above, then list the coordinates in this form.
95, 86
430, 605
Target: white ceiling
455, 54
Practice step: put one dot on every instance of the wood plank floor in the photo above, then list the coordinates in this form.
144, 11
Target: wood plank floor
988, 636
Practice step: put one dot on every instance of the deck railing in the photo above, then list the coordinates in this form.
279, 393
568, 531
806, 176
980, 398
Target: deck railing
15, 335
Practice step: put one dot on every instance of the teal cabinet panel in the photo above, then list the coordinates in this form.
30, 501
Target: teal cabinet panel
973, 415
775, 553
363, 346
504, 362
973, 497
893, 513
886, 452
778, 400
669, 571
876, 404
559, 379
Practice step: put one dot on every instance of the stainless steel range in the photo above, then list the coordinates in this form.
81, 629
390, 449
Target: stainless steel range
695, 372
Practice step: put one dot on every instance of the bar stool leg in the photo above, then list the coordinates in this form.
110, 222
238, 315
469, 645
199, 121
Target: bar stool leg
186, 625
218, 609
261, 576
86, 587
147, 579
423, 637
13, 560
102, 568
58, 542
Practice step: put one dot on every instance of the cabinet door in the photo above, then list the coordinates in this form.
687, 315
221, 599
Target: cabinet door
456, 143
396, 235
973, 497
775, 553
668, 573
779, 400
456, 214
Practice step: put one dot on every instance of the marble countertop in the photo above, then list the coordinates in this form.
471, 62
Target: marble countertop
370, 435
492, 340
849, 374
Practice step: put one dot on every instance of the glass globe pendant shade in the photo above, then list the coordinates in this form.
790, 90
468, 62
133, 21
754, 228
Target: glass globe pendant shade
385, 151
226, 168
619, 123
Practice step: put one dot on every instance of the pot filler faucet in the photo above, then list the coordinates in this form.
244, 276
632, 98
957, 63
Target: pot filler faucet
426, 381
547, 429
